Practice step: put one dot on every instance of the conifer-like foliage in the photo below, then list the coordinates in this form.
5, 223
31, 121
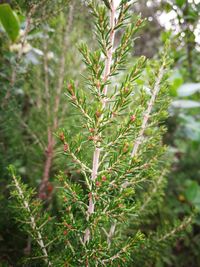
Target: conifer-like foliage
118, 153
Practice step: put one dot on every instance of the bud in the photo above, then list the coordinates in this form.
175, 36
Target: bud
92, 130
103, 178
132, 118
98, 114
66, 147
65, 232
126, 90
98, 184
49, 187
138, 23
62, 137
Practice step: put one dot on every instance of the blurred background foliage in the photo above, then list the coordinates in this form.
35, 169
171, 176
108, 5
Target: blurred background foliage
38, 56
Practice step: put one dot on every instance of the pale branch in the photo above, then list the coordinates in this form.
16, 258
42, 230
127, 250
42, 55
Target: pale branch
78, 161
117, 255
96, 154
111, 233
61, 74
32, 133
147, 113
177, 229
33, 224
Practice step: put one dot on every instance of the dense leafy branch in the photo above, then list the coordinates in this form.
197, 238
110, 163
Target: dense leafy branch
115, 179
30, 214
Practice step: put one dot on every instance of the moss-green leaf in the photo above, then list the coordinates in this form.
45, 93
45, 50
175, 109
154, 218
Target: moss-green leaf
9, 21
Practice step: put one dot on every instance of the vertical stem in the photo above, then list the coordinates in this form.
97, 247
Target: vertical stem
51, 140
62, 66
138, 140
50, 144
96, 154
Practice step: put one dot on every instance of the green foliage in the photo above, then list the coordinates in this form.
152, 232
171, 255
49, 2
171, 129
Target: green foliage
9, 21
117, 161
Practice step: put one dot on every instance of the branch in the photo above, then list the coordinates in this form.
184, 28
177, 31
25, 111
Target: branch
147, 113
177, 229
33, 224
51, 129
96, 154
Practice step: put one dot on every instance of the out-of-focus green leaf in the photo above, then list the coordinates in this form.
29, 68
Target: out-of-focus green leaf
192, 193
180, 3
185, 104
192, 190
176, 80
188, 89
9, 21
190, 127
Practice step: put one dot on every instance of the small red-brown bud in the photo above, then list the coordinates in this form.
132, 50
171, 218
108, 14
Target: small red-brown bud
126, 90
90, 195
65, 232
65, 147
49, 187
98, 114
98, 184
70, 88
92, 130
62, 136
138, 23
132, 118
103, 178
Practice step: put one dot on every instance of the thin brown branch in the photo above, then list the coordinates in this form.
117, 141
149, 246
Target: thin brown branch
53, 127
